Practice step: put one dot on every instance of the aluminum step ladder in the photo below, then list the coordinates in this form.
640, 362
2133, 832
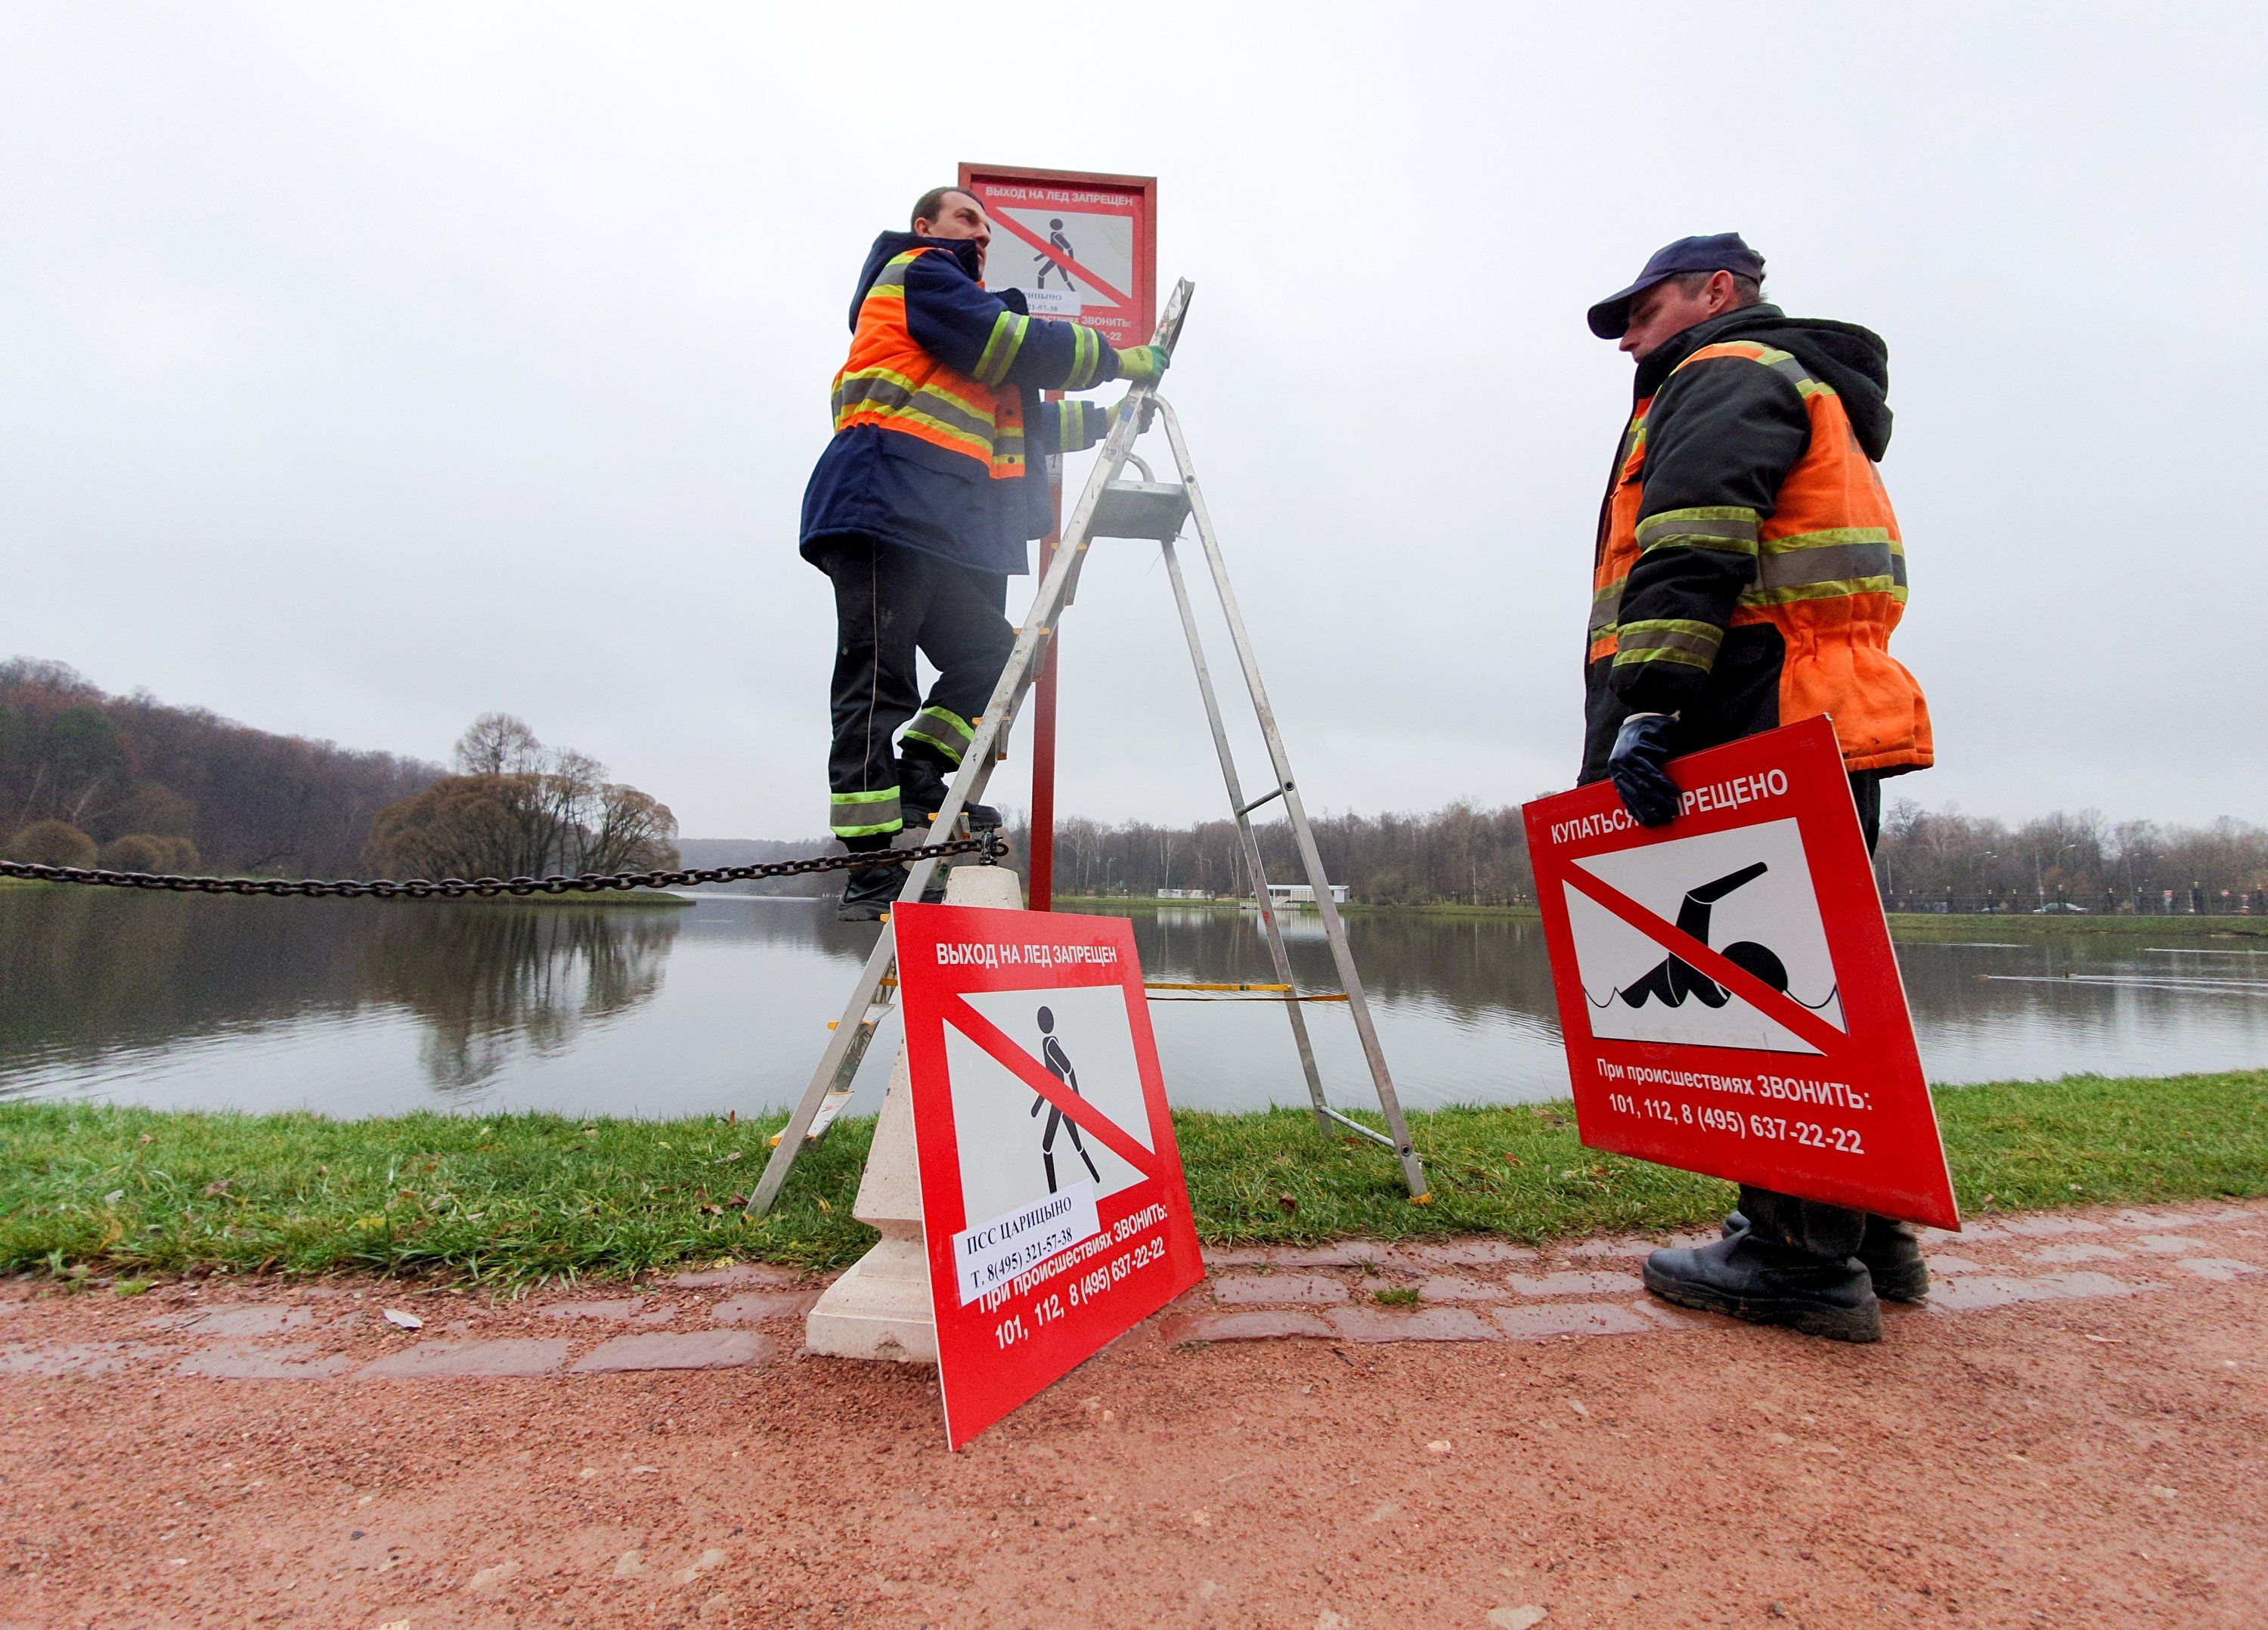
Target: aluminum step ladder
1113, 507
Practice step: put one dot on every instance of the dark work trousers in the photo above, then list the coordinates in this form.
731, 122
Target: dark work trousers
1813, 1227
891, 602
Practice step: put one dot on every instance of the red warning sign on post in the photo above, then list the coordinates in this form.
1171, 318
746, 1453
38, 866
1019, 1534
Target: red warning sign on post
1053, 1203
1726, 987
1082, 248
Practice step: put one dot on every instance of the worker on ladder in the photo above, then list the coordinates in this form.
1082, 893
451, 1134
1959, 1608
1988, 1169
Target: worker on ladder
1748, 574
921, 508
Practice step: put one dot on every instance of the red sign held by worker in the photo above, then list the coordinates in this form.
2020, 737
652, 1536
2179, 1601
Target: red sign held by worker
1053, 1203
1727, 988
1082, 248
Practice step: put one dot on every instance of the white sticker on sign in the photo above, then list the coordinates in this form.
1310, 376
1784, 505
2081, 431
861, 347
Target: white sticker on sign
1064, 304
992, 1253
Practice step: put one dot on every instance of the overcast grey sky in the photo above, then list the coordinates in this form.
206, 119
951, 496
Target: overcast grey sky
361, 370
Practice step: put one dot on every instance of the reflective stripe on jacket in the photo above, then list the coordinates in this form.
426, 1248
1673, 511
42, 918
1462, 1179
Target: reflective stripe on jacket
1820, 564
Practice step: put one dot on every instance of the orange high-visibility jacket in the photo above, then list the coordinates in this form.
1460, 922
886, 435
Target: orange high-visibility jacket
890, 380
1745, 616
941, 436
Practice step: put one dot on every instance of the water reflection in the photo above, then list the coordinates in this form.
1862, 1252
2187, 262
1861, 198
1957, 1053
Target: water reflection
86, 975
86, 972
356, 1007
491, 979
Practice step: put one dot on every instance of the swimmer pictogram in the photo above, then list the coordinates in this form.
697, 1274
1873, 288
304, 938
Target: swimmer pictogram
1673, 980
1739, 922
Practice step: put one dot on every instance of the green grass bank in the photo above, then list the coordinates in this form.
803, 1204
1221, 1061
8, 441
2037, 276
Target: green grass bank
95, 1191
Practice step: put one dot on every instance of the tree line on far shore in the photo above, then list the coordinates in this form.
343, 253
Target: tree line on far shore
129, 784
87, 777
1463, 854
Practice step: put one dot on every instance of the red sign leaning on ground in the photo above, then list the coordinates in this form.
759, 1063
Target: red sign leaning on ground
1729, 998
1053, 1203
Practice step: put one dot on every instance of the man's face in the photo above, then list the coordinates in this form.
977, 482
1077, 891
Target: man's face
960, 215
1663, 313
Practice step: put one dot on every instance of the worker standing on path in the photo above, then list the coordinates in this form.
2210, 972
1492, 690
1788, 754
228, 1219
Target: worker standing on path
921, 508
1749, 573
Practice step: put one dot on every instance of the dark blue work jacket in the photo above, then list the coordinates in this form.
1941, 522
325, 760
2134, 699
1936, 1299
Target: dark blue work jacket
877, 482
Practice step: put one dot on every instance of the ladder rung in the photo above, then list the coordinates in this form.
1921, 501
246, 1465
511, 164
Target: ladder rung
1354, 1125
1268, 798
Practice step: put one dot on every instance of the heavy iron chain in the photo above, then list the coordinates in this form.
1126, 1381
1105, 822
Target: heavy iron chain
990, 844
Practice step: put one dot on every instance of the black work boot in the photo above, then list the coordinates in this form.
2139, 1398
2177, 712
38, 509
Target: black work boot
869, 891
1890, 1252
1794, 1265
924, 777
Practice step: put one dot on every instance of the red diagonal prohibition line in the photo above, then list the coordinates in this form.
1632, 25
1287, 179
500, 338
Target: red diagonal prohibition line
1060, 258
1020, 1064
1774, 1005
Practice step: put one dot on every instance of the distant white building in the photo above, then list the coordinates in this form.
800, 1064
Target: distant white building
1185, 894
1303, 894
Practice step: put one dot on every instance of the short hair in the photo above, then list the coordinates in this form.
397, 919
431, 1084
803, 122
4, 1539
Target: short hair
926, 206
1746, 291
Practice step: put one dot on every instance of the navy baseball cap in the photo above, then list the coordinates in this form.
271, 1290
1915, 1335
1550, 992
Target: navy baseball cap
1718, 252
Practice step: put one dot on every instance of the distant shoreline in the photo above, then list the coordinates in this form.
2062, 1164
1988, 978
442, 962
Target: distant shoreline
1903, 924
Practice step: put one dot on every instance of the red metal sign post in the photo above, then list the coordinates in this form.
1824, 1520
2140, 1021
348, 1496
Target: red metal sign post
1730, 1001
1081, 246
1053, 1205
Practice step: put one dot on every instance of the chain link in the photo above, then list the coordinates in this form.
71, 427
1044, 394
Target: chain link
990, 844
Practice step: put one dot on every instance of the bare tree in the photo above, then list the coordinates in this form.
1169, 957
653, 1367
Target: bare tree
557, 814
499, 744
631, 832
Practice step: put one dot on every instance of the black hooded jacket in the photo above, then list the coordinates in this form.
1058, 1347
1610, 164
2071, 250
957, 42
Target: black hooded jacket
1723, 433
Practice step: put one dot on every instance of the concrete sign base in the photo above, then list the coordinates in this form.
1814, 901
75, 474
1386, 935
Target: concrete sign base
879, 1309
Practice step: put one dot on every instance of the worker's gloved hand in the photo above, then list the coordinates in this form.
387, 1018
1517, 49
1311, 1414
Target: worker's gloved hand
1637, 767
1143, 365
1118, 412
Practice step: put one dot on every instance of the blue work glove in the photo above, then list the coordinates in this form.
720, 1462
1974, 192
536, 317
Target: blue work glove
1143, 365
1637, 767
1118, 412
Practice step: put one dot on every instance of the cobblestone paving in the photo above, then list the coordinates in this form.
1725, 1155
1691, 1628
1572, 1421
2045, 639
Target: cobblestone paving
741, 1315
1491, 1290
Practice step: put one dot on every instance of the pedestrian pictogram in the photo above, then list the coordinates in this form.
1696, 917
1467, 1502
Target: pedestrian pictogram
1054, 1212
1056, 244
1060, 1065
1729, 999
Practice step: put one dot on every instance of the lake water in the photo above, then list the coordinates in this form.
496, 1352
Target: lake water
354, 1007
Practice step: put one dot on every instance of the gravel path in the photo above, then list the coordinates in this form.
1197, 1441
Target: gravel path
2074, 1432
